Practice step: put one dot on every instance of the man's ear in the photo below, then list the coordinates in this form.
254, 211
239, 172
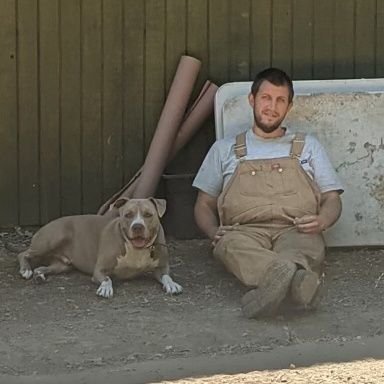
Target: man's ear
120, 202
251, 100
160, 205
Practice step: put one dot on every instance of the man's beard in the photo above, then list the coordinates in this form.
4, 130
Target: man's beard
267, 128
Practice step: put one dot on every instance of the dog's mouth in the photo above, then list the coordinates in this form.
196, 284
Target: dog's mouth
139, 241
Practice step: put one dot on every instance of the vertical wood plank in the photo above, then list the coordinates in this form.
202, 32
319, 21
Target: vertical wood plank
91, 104
365, 38
302, 39
112, 97
176, 37
323, 39
380, 39
261, 35
49, 110
197, 46
239, 53
28, 149
176, 45
344, 39
197, 38
8, 115
70, 102
154, 66
282, 35
218, 45
133, 82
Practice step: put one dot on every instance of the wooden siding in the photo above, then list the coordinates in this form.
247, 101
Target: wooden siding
82, 82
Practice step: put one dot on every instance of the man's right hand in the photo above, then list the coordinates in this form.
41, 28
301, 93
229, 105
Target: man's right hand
219, 233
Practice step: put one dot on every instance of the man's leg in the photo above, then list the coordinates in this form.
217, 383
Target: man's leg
248, 255
307, 251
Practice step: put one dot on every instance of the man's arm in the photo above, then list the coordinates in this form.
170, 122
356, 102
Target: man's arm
206, 214
330, 210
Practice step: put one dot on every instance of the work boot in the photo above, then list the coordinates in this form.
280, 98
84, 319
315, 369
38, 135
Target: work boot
304, 287
266, 298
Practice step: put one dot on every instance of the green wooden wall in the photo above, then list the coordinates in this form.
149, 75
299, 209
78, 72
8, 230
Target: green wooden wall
82, 82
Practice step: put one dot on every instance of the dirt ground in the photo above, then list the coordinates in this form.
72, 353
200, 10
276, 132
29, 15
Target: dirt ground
61, 329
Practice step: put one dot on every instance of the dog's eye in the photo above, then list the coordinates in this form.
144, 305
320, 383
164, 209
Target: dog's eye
129, 215
148, 214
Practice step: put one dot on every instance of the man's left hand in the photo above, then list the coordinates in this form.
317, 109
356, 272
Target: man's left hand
311, 224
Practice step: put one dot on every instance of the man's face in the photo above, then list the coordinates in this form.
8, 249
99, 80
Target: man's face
270, 106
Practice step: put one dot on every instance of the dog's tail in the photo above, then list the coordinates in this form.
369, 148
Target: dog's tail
14, 248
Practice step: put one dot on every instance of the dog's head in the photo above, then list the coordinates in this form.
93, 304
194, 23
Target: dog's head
140, 219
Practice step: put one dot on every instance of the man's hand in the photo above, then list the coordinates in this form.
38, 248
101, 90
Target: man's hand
311, 224
220, 232
330, 210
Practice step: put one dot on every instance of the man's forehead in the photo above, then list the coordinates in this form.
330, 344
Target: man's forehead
267, 87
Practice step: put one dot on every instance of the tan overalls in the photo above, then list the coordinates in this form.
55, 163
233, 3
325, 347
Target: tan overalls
261, 200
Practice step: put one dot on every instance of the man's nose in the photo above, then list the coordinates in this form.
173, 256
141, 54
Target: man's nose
273, 104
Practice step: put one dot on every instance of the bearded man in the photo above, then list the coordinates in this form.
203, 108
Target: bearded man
265, 197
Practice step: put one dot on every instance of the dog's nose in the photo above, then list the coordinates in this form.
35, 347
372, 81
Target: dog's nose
137, 227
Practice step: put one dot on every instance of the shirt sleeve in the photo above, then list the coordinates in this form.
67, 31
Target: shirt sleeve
325, 175
209, 178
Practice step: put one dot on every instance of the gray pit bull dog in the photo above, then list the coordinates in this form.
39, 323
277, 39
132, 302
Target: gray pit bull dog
125, 243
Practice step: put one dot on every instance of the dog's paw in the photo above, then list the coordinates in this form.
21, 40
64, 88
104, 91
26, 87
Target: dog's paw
105, 289
26, 273
39, 277
170, 286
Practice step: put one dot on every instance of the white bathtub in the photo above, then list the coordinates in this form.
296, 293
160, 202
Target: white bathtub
348, 118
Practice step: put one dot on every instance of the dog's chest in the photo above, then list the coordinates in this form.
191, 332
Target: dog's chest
134, 262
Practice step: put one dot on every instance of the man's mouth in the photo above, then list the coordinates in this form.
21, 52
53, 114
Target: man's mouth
271, 116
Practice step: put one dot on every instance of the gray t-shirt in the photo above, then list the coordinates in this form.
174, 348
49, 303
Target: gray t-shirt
220, 162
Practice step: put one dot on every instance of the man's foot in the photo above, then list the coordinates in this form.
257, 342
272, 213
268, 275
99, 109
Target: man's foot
265, 299
304, 287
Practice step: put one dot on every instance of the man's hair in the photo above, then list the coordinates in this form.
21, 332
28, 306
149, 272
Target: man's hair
276, 77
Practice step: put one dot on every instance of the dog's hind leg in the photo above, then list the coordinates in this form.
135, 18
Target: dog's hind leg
25, 267
42, 248
56, 267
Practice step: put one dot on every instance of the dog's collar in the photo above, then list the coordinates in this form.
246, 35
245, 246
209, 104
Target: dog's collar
153, 247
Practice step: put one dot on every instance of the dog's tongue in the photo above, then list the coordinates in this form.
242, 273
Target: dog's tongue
139, 242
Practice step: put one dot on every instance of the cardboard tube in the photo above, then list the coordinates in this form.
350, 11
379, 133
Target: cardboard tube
169, 122
201, 109
198, 98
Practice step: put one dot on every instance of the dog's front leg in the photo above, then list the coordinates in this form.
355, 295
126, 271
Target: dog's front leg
105, 264
105, 288
162, 276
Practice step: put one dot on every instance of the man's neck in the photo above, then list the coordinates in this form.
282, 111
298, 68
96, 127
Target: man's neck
279, 132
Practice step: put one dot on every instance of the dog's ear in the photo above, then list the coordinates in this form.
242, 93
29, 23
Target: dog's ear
120, 202
160, 205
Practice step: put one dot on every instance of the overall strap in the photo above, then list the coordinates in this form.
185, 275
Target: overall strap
240, 146
297, 145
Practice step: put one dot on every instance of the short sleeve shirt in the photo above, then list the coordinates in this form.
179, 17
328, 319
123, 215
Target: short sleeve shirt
220, 161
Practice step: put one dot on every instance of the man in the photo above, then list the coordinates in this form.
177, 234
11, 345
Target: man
265, 197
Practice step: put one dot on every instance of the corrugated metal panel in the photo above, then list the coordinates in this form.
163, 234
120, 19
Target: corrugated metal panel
82, 82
